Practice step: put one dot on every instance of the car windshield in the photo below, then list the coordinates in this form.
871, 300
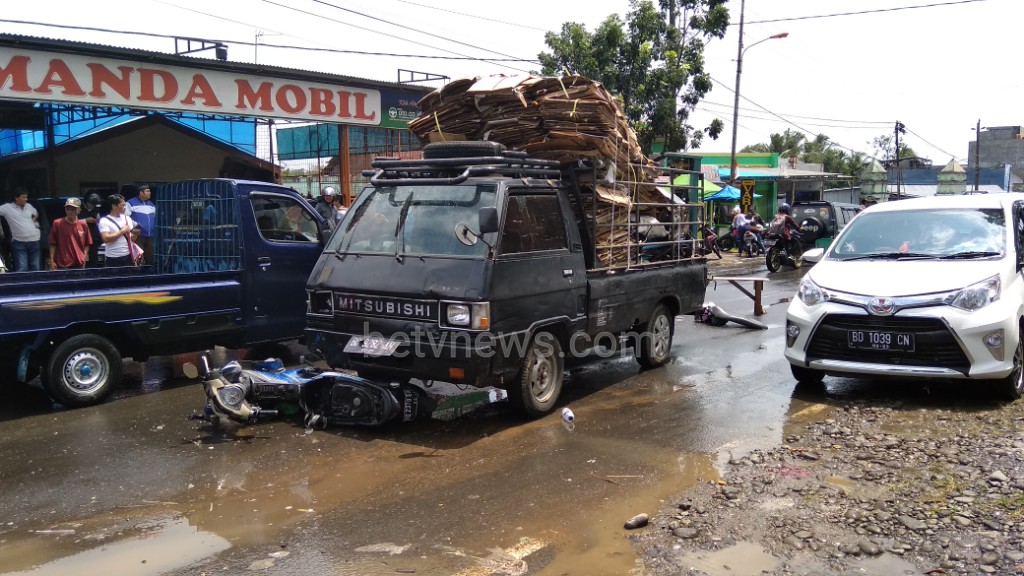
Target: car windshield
413, 220
941, 233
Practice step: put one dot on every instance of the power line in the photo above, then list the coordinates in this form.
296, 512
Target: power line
876, 126
261, 44
862, 12
933, 145
386, 34
474, 16
886, 122
403, 26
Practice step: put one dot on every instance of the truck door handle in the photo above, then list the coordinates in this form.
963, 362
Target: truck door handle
263, 261
566, 272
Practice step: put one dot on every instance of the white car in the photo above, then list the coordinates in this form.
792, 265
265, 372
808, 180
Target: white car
928, 288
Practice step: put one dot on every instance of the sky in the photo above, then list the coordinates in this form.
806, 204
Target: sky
848, 69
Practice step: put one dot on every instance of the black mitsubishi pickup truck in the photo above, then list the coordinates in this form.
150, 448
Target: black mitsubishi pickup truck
480, 266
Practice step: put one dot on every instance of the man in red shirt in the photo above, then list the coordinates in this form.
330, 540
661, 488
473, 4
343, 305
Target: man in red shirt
70, 238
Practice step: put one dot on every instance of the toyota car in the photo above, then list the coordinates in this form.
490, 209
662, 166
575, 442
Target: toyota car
927, 288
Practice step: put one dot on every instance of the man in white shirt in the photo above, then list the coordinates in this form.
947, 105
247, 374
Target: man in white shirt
23, 220
118, 232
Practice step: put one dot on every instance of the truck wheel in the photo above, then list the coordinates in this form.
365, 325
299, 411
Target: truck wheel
540, 378
656, 341
82, 370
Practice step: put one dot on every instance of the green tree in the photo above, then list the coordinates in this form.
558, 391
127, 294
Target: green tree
654, 61
883, 146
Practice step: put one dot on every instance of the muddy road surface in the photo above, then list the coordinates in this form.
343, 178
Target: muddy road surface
133, 487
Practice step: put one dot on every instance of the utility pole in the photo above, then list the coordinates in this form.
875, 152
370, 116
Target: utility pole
900, 129
977, 154
736, 100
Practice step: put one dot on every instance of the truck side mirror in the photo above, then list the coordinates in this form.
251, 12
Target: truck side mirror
488, 220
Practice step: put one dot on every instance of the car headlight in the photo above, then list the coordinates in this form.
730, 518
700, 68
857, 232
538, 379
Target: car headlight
976, 296
458, 314
810, 293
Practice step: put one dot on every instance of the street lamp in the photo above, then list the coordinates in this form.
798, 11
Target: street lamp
736, 103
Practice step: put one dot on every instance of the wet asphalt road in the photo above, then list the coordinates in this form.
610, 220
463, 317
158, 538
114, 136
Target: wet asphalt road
132, 487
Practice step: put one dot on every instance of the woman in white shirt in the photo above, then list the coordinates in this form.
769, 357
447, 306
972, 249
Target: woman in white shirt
117, 229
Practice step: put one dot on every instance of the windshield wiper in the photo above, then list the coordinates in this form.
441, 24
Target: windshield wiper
970, 254
348, 228
891, 256
400, 226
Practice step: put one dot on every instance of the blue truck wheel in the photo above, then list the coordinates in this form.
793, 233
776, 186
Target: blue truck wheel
82, 370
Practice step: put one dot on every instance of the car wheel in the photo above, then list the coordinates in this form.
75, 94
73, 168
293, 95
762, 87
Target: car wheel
773, 260
1012, 387
82, 370
540, 378
656, 341
807, 376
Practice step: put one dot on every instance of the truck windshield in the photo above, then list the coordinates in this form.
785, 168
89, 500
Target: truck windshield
413, 220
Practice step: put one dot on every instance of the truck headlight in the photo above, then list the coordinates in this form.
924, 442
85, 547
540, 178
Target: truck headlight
976, 296
475, 315
458, 315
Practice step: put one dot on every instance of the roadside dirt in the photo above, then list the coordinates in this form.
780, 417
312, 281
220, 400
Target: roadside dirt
859, 486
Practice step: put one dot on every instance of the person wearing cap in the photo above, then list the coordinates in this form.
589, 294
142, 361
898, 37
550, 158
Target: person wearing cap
23, 220
70, 238
325, 207
142, 210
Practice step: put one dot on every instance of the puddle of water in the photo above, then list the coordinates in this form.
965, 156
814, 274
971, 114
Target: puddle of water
741, 559
160, 547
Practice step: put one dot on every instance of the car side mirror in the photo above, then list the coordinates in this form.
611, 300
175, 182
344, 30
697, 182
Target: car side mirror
488, 220
325, 235
813, 255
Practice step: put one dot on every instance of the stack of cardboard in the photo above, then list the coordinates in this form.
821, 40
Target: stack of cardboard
565, 119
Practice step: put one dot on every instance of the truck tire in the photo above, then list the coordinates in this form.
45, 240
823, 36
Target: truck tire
656, 341
540, 378
82, 370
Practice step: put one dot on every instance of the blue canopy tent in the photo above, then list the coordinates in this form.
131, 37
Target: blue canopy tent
727, 193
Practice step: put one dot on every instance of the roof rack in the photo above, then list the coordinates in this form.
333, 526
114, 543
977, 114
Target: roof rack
448, 167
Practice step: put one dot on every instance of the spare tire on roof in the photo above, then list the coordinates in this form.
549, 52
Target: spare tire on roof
812, 229
463, 149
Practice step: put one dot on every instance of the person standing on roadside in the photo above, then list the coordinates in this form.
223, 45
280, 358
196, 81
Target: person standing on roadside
23, 220
70, 238
91, 215
143, 211
117, 229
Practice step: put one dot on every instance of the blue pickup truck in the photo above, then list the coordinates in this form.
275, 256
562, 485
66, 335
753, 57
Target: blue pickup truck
231, 262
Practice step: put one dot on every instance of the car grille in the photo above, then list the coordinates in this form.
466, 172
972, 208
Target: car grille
934, 344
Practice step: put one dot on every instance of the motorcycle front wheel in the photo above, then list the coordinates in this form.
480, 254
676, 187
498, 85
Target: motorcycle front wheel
773, 259
795, 252
726, 242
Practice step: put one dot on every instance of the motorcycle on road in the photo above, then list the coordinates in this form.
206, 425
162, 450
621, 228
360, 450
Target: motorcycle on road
783, 251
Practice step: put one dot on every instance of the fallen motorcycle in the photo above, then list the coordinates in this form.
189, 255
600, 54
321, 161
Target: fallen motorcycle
266, 389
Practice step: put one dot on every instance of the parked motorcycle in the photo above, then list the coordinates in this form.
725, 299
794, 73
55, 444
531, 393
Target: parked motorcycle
266, 389
782, 251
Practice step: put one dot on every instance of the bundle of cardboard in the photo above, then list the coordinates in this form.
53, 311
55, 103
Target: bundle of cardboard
567, 119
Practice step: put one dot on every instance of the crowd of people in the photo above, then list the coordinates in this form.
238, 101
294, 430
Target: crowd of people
125, 229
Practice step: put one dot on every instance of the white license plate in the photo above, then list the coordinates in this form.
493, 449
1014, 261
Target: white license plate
769, 242
371, 346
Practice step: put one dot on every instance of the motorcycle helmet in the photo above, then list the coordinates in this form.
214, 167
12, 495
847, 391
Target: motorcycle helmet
327, 191
784, 208
93, 199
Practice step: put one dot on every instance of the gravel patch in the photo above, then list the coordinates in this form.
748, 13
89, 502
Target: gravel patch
875, 487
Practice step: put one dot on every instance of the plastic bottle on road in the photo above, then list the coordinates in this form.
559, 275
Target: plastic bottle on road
568, 419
